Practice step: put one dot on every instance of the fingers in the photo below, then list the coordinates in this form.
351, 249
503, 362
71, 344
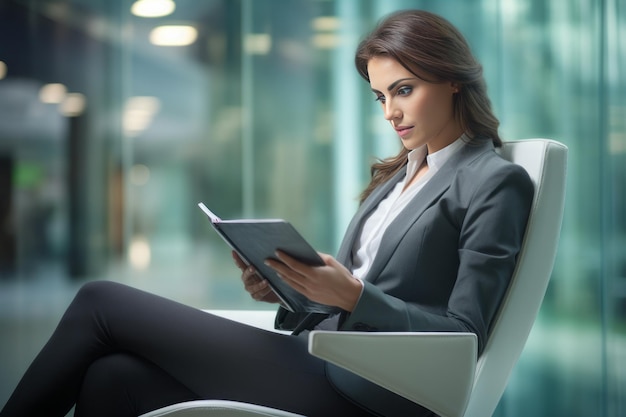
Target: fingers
259, 290
290, 272
248, 275
290, 263
254, 284
238, 261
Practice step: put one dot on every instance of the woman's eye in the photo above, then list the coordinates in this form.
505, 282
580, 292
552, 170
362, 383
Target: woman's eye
380, 98
404, 91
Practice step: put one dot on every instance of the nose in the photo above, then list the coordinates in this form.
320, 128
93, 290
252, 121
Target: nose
391, 111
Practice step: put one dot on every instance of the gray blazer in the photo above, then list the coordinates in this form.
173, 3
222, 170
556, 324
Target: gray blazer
443, 264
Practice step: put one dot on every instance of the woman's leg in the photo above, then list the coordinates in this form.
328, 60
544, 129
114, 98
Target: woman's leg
123, 384
203, 355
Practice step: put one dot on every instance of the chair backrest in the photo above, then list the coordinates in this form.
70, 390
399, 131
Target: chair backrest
545, 161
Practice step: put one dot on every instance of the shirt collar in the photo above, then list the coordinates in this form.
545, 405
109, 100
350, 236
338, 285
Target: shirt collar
435, 160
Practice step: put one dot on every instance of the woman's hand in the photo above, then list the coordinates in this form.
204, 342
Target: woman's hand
257, 287
331, 284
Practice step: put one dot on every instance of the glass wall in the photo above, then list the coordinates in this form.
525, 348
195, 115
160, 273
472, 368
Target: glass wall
112, 129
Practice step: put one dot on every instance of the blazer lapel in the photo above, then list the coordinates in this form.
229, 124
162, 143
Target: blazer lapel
427, 196
344, 255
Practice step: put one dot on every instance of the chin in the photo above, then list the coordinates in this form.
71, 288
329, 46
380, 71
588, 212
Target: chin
411, 144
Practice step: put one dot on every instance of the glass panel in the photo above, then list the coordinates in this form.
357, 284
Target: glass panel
614, 205
552, 81
109, 138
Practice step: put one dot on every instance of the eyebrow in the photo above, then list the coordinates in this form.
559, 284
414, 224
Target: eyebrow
395, 83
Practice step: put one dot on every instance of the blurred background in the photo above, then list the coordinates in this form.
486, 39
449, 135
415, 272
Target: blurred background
117, 117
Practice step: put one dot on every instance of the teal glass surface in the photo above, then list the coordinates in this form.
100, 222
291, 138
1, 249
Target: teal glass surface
109, 140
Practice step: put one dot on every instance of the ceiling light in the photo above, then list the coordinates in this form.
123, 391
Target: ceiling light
139, 253
3, 70
148, 104
138, 114
73, 105
52, 93
174, 35
326, 23
257, 43
326, 40
153, 8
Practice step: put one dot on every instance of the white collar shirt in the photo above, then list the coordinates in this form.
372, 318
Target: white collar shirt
367, 244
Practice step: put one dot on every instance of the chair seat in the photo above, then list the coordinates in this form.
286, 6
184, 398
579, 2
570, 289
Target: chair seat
218, 408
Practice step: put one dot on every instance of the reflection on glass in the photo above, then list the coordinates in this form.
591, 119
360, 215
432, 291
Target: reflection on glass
173, 35
259, 112
153, 8
73, 105
52, 93
257, 43
138, 114
139, 254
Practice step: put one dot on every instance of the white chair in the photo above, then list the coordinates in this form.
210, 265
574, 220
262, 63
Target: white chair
448, 378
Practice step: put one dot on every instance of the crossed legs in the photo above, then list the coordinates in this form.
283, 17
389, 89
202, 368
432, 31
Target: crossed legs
121, 351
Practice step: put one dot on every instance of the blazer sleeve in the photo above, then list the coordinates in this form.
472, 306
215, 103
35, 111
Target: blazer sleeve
494, 206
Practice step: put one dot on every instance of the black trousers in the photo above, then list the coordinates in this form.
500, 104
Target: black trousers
119, 351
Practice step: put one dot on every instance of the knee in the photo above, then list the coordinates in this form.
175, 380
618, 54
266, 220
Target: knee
91, 297
96, 289
95, 293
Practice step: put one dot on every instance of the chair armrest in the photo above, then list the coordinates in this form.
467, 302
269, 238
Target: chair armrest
433, 369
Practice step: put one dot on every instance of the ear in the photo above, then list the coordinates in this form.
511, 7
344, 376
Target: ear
455, 88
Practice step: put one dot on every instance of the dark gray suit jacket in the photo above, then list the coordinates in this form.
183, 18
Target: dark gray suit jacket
443, 264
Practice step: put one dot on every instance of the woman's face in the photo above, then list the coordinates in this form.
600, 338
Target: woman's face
421, 112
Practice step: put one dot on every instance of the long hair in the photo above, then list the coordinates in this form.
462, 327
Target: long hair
426, 43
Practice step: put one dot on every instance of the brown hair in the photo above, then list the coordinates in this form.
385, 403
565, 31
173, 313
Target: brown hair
426, 43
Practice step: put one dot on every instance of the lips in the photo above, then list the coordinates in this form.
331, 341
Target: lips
403, 130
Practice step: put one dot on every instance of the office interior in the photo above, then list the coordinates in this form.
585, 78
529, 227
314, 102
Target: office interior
118, 116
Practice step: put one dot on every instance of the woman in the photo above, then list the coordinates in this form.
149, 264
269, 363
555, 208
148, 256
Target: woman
431, 248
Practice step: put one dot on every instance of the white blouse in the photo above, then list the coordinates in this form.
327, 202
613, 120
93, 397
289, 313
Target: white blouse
366, 246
